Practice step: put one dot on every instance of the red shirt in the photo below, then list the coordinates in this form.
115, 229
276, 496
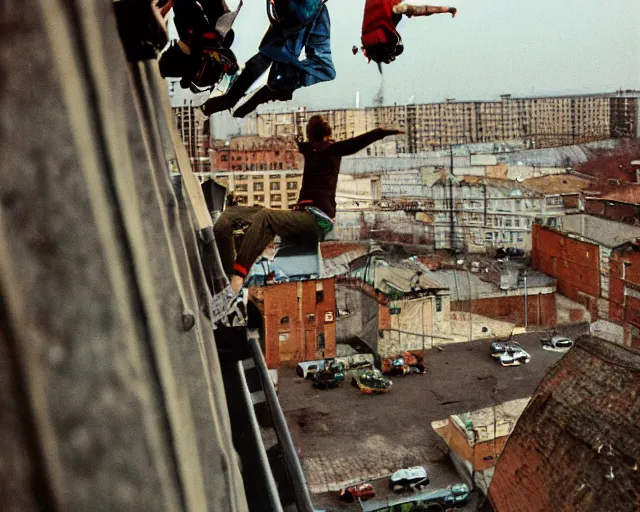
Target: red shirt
379, 22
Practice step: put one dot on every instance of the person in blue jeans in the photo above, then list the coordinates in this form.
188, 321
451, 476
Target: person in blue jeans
294, 25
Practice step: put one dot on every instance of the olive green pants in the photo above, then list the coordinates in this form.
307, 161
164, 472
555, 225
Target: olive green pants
263, 225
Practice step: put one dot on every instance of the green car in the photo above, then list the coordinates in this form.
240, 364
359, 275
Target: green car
371, 381
331, 376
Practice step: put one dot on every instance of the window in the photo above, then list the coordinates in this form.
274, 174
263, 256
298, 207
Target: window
516, 223
241, 188
438, 304
311, 318
320, 342
319, 296
274, 185
223, 158
258, 186
291, 195
259, 198
554, 200
291, 185
276, 198
508, 223
283, 336
489, 237
284, 320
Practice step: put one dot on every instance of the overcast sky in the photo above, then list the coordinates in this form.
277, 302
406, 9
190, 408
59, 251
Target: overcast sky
492, 47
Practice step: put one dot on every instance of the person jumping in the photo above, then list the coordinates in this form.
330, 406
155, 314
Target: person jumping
295, 25
311, 219
203, 53
381, 41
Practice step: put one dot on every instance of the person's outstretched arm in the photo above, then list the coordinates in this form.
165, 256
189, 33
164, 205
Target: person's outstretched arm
422, 10
351, 146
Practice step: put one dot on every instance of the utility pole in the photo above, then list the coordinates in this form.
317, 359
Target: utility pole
526, 304
452, 221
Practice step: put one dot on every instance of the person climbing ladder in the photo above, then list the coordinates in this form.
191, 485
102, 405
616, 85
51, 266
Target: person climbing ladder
295, 25
310, 221
381, 41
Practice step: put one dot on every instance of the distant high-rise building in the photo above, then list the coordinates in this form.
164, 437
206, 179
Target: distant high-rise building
540, 122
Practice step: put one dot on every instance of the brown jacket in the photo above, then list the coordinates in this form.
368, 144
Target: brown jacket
322, 165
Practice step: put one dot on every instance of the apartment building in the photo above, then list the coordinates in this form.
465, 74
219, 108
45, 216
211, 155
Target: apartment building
540, 122
272, 189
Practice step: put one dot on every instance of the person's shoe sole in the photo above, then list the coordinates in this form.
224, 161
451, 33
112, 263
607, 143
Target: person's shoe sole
259, 97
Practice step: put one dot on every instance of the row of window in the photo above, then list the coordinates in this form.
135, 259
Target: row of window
257, 167
259, 187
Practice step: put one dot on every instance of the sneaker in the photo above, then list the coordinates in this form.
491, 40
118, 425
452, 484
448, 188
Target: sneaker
262, 95
229, 309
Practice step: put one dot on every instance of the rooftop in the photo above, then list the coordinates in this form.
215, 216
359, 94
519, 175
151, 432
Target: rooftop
578, 442
491, 422
629, 193
607, 233
556, 184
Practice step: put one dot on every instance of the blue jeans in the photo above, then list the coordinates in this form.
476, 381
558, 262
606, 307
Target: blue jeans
284, 44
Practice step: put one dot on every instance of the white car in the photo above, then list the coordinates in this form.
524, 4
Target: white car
408, 479
514, 357
557, 342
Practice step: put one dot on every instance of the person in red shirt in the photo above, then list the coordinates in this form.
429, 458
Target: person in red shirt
381, 41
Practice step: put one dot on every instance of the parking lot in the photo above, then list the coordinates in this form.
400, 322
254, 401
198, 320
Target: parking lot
347, 437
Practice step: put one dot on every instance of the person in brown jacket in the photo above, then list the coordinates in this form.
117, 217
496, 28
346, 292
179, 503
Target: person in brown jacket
309, 221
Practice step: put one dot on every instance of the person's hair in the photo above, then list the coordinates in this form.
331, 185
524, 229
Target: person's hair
317, 128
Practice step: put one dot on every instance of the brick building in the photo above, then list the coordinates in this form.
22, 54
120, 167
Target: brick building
253, 153
576, 446
624, 291
298, 320
501, 296
593, 261
476, 439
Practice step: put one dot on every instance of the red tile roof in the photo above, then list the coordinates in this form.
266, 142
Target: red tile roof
577, 445
334, 249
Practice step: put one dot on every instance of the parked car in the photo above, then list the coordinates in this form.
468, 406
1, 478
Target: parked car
363, 492
500, 347
371, 381
414, 478
331, 376
557, 342
304, 368
512, 253
514, 357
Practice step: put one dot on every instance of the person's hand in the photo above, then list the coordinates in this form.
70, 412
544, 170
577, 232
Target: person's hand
391, 131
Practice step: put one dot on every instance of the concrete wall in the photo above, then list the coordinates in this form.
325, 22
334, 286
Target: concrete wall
392, 226
363, 317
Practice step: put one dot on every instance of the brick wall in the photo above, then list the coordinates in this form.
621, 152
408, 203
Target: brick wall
296, 317
575, 264
542, 308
